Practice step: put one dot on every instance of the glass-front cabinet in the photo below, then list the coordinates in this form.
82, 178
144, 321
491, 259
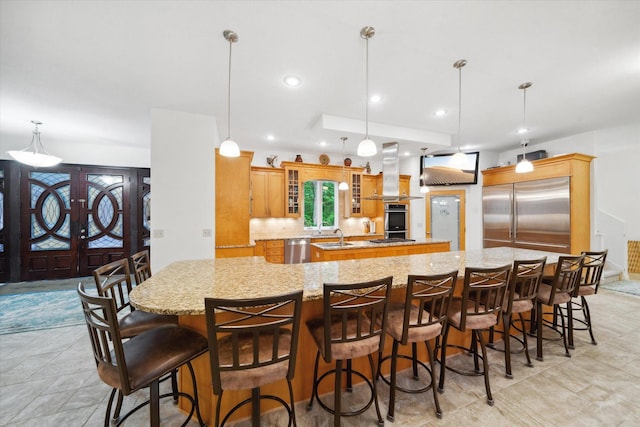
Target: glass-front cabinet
293, 192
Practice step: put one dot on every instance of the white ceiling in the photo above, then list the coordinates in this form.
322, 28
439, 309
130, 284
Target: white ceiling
92, 70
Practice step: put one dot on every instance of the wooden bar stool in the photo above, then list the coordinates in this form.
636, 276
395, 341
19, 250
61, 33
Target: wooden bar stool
139, 362
421, 318
352, 326
482, 299
141, 266
252, 343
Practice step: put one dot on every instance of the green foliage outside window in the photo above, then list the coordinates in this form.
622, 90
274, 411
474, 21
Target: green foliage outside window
320, 202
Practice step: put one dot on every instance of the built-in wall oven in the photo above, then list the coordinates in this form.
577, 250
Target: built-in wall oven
395, 221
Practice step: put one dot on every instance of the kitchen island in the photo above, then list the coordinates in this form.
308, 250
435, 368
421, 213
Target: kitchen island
376, 248
181, 287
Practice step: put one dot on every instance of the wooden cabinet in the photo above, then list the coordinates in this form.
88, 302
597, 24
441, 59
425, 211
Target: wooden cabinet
356, 194
271, 250
292, 204
267, 192
575, 166
232, 199
405, 185
377, 251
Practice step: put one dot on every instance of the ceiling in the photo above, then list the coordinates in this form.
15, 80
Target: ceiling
92, 70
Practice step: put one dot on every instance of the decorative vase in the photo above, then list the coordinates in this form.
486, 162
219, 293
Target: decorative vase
298, 158
347, 161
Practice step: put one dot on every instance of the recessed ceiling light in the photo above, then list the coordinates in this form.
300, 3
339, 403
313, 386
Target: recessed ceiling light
270, 137
440, 113
375, 98
407, 153
292, 81
323, 143
522, 130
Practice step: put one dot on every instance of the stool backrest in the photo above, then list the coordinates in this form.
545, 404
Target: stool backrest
483, 292
102, 324
239, 324
141, 266
355, 312
566, 277
433, 293
526, 276
592, 269
113, 280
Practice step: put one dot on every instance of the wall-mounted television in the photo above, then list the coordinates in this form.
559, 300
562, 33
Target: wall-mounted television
441, 169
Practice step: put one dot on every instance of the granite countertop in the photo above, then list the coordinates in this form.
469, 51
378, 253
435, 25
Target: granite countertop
360, 244
181, 287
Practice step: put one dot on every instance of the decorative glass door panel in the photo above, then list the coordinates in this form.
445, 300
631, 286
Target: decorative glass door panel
445, 217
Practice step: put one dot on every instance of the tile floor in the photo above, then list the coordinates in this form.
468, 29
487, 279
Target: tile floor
47, 378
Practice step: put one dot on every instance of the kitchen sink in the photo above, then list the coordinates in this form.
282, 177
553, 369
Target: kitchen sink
333, 244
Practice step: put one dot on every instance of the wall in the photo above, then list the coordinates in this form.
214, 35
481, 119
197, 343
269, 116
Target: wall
182, 182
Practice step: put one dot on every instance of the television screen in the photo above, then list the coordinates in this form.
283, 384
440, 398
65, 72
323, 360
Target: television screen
440, 169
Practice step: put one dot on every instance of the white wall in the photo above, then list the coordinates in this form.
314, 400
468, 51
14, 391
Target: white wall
183, 186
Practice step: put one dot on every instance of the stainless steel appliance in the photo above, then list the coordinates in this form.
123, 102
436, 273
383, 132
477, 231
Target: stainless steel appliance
297, 250
532, 215
395, 221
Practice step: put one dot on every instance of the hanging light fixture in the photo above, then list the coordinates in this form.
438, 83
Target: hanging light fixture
35, 155
524, 165
459, 157
343, 186
229, 148
367, 147
424, 188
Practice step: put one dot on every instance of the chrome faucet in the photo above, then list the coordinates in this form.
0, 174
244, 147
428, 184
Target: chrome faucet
341, 236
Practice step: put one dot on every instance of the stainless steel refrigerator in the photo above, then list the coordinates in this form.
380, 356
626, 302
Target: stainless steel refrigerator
531, 215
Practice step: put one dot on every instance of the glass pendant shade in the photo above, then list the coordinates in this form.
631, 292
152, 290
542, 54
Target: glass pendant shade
367, 148
35, 155
458, 160
229, 148
424, 189
343, 186
524, 166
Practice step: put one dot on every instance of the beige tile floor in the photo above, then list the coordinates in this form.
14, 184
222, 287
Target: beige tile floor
47, 378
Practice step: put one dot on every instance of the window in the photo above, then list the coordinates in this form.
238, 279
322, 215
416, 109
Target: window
320, 205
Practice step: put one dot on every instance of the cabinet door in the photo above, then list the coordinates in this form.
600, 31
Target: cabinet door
275, 194
293, 193
233, 175
405, 185
259, 197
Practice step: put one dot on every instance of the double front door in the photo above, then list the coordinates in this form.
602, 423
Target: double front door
75, 219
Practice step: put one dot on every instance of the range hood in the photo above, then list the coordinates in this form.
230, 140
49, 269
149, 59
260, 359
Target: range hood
391, 176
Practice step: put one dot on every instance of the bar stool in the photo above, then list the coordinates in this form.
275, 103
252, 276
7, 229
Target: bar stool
559, 291
421, 318
352, 326
482, 299
114, 280
525, 279
139, 362
592, 268
252, 343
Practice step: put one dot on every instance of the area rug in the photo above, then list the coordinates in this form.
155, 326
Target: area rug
39, 310
627, 286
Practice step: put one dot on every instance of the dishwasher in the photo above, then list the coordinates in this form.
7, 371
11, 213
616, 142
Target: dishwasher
297, 250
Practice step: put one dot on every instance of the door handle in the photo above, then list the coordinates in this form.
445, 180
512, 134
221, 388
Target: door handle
83, 234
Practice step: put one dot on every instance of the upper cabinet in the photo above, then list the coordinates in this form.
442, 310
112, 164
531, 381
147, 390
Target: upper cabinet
369, 189
267, 192
233, 199
292, 190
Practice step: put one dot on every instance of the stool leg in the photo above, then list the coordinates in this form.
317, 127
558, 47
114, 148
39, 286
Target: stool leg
432, 356
292, 403
154, 404
485, 365
174, 385
564, 335
349, 376
414, 359
506, 321
392, 381
108, 413
539, 355
587, 318
375, 392
524, 338
443, 359
570, 323
314, 389
337, 394
255, 407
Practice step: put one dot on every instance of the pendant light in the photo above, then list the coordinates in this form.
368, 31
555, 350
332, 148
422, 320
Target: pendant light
424, 188
459, 158
343, 186
524, 165
367, 147
229, 148
35, 155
